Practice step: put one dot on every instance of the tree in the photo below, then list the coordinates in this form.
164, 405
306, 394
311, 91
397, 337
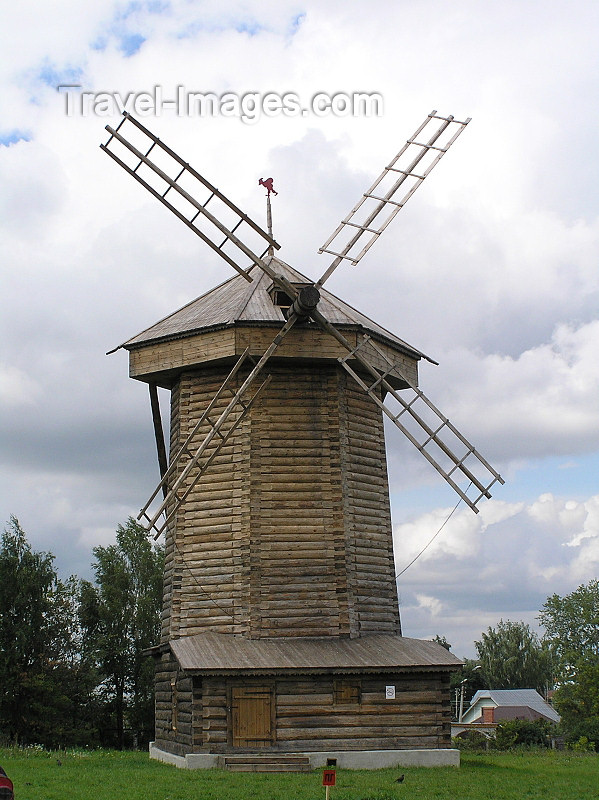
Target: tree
43, 687
26, 579
528, 733
513, 657
572, 626
442, 641
120, 615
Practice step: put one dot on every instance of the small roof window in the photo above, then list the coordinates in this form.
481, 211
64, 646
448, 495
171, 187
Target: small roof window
280, 298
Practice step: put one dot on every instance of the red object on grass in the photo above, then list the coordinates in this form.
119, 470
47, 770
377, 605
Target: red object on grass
328, 777
6, 788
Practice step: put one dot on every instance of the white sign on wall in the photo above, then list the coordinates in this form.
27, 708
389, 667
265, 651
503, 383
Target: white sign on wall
390, 692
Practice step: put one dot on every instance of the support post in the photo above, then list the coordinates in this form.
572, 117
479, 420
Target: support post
158, 432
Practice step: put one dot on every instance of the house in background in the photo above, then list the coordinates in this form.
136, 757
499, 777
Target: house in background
490, 706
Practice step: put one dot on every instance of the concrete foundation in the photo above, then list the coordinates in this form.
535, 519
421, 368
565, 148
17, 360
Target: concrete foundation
346, 759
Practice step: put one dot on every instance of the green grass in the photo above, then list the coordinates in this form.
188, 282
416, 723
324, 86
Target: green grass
106, 775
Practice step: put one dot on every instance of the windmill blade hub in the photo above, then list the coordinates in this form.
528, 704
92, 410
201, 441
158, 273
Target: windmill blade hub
305, 302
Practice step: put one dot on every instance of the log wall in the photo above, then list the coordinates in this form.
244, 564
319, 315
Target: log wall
176, 707
308, 715
161, 360
288, 533
308, 718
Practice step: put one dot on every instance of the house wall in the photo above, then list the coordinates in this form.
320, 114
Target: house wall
306, 715
476, 712
176, 708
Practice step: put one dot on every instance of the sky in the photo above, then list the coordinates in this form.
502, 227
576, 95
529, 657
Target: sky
491, 269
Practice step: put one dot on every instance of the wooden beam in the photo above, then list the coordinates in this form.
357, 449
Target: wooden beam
158, 432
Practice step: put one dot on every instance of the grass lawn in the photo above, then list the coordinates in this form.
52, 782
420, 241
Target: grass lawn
106, 775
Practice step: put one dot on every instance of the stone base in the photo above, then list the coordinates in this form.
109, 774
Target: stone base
346, 759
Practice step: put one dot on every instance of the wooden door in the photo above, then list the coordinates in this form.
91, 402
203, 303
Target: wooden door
252, 716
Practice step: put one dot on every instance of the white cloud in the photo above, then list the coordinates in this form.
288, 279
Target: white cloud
513, 558
543, 401
429, 604
17, 388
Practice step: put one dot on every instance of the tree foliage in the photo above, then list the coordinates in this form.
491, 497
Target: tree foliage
442, 641
512, 657
572, 625
120, 615
44, 685
71, 652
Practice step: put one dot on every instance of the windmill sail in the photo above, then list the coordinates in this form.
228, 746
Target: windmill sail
381, 203
417, 417
179, 488
239, 240
223, 226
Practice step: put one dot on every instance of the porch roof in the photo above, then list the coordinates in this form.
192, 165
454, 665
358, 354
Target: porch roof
225, 653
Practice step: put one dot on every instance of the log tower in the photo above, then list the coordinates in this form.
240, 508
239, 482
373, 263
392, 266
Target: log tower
286, 543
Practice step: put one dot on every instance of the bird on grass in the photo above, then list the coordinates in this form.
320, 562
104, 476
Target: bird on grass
400, 779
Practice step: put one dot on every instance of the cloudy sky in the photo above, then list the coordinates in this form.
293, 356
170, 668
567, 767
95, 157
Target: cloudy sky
491, 269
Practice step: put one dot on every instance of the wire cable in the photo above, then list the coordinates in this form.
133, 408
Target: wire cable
428, 544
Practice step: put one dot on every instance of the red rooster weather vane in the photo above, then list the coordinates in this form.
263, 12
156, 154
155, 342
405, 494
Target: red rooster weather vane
267, 183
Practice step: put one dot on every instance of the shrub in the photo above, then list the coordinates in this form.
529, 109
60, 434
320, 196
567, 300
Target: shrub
521, 732
582, 745
585, 728
472, 740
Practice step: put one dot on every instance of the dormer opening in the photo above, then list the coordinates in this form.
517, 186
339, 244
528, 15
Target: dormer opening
280, 297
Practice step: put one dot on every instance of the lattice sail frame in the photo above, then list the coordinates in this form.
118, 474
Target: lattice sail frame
162, 172
439, 441
394, 186
175, 492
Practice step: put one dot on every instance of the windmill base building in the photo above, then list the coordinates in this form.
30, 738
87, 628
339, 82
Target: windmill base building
281, 631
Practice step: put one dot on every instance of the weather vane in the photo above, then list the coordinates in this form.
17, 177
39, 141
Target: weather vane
267, 183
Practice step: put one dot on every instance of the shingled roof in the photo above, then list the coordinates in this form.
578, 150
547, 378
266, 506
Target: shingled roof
217, 653
237, 302
512, 698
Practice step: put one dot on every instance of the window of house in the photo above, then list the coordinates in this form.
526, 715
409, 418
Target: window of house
347, 692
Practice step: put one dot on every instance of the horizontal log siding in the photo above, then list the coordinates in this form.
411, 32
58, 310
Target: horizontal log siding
419, 717
215, 715
211, 555
183, 353
174, 712
297, 579
367, 514
288, 533
160, 361
170, 597
306, 717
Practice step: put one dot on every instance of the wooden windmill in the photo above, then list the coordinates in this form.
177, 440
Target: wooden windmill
281, 626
